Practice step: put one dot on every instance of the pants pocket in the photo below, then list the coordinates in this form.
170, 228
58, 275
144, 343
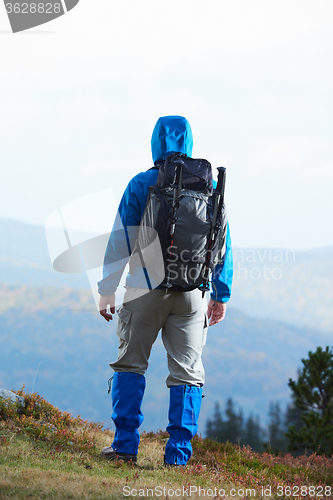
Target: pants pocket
204, 332
123, 327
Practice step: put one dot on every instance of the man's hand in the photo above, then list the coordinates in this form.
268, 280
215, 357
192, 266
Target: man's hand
104, 302
216, 311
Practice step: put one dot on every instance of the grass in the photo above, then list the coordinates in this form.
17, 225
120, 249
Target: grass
49, 454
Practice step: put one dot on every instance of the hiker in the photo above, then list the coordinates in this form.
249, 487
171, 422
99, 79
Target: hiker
182, 317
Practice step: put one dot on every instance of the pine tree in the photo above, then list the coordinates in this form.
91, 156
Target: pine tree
234, 422
253, 433
313, 397
293, 416
216, 428
231, 427
225, 429
277, 442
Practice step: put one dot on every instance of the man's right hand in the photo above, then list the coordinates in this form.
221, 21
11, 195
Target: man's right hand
104, 302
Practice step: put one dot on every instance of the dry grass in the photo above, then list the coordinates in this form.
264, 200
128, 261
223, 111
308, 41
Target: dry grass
32, 469
46, 454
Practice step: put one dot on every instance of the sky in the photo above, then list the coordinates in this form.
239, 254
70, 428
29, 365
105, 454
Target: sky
80, 97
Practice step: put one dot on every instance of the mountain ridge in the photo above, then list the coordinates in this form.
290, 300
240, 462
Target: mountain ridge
302, 294
49, 341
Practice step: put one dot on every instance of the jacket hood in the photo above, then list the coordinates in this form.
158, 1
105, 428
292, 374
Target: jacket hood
172, 134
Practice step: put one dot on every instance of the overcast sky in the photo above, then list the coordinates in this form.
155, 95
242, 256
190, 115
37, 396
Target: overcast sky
80, 96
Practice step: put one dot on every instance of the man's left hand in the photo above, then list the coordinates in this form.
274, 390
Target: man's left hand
216, 311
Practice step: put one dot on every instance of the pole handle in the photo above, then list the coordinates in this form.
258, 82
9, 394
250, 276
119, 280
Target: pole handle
221, 180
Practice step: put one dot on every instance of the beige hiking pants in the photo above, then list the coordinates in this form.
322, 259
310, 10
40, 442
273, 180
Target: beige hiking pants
183, 320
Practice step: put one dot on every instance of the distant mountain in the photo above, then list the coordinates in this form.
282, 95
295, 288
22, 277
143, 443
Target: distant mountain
295, 287
24, 258
52, 338
50, 342
23, 242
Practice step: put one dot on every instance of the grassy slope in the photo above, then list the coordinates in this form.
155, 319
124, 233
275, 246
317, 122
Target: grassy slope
48, 454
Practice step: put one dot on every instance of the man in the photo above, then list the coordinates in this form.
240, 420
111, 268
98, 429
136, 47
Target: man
182, 317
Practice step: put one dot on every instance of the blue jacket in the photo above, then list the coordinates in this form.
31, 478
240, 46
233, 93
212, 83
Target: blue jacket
171, 134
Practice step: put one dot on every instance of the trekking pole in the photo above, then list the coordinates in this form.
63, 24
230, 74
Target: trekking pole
218, 204
176, 195
175, 203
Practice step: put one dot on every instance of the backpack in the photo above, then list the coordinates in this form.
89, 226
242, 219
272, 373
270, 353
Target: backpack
189, 217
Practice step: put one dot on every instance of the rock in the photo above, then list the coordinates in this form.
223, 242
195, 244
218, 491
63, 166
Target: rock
14, 398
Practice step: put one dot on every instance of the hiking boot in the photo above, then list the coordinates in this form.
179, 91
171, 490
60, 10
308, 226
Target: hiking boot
166, 464
111, 454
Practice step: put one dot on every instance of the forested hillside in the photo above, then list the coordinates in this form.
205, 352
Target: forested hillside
55, 342
293, 287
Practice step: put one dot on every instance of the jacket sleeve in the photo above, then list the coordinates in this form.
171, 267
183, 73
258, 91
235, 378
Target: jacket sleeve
223, 274
121, 241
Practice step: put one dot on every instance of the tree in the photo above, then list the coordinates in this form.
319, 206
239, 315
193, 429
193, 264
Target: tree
215, 428
313, 397
231, 427
253, 433
234, 422
277, 442
226, 429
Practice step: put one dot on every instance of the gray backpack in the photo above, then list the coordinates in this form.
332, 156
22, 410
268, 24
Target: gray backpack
189, 217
